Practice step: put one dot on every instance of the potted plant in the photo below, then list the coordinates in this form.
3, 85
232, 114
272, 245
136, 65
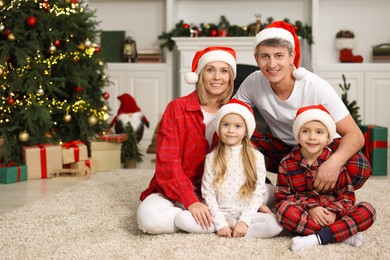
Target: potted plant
130, 152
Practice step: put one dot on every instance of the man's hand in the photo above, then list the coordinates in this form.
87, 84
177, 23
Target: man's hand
201, 213
327, 176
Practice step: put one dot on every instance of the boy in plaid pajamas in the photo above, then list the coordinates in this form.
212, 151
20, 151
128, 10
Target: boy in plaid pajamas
319, 217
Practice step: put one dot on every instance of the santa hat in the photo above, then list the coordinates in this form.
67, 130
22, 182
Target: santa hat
210, 54
128, 105
235, 106
285, 31
311, 113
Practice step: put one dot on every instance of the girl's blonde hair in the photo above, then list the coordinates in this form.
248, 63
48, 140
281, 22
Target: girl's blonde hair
248, 160
203, 95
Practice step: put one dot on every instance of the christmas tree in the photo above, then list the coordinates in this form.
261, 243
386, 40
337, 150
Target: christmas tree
51, 74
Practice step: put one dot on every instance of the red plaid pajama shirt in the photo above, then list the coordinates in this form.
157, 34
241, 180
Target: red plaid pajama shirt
295, 195
274, 150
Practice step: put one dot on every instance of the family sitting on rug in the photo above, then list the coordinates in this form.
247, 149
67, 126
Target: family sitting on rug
208, 178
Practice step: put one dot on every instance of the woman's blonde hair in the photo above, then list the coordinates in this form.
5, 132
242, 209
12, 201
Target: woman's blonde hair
248, 160
203, 95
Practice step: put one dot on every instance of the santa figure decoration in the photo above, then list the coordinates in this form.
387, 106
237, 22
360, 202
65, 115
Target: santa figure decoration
345, 42
129, 112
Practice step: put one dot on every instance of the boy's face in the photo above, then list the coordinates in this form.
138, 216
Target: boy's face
313, 137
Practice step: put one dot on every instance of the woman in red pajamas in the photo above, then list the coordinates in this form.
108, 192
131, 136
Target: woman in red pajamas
325, 217
184, 137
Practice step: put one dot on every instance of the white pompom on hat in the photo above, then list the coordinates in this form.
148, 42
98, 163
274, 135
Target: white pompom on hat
285, 31
210, 54
314, 113
235, 106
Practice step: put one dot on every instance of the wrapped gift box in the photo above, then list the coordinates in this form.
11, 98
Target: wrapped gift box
113, 138
11, 174
108, 155
74, 151
91, 163
42, 160
375, 148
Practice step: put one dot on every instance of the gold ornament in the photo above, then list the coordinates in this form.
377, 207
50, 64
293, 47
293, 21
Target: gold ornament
92, 120
1, 71
2, 27
81, 47
87, 43
104, 107
1, 3
24, 136
67, 118
52, 49
11, 37
40, 92
101, 63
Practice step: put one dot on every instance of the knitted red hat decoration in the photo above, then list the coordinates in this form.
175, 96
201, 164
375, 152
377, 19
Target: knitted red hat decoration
285, 31
314, 113
235, 106
128, 105
210, 54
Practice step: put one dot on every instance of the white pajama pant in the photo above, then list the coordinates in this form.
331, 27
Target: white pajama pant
156, 214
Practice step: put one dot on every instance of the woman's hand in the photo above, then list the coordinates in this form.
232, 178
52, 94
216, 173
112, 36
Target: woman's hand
201, 213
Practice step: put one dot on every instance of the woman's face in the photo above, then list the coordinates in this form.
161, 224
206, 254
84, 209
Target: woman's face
216, 77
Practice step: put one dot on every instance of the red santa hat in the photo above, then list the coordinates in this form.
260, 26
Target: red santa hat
210, 54
235, 106
128, 105
285, 31
314, 113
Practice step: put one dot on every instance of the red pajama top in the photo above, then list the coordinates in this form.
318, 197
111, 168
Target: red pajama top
181, 151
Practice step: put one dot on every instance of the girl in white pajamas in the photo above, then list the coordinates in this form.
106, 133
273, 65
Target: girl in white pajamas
233, 184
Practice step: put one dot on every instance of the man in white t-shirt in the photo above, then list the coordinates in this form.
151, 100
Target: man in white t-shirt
279, 88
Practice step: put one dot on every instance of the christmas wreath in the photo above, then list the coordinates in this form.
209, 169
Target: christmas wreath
224, 28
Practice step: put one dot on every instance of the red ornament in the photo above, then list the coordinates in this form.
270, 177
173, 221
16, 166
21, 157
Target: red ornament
296, 28
106, 95
57, 43
10, 101
97, 49
213, 32
186, 26
78, 89
31, 21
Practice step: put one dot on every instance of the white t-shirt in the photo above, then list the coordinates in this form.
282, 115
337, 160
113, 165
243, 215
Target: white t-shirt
211, 124
279, 115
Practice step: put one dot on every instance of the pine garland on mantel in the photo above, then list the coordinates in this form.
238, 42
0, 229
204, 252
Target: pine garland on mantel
223, 29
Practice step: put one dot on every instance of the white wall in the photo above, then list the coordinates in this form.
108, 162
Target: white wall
144, 19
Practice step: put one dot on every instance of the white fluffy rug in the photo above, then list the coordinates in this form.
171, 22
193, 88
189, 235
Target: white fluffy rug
96, 220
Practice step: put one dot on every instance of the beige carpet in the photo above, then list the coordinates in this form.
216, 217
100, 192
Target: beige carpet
96, 220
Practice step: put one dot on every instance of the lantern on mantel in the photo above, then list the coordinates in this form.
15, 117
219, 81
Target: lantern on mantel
130, 50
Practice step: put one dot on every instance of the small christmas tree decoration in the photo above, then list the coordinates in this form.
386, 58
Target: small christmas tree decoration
345, 42
106, 95
11, 37
40, 92
57, 43
52, 49
67, 118
352, 106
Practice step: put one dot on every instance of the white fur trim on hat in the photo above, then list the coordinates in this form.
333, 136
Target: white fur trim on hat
235, 108
274, 32
311, 115
211, 56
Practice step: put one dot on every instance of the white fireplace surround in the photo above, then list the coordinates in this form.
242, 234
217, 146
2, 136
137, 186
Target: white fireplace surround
188, 46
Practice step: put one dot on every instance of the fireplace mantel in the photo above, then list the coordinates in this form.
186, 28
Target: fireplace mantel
188, 46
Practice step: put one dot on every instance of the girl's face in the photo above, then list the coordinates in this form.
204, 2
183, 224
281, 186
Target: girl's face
274, 63
313, 137
232, 129
216, 77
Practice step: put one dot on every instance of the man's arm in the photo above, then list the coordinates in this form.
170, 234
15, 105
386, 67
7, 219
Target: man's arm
352, 141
